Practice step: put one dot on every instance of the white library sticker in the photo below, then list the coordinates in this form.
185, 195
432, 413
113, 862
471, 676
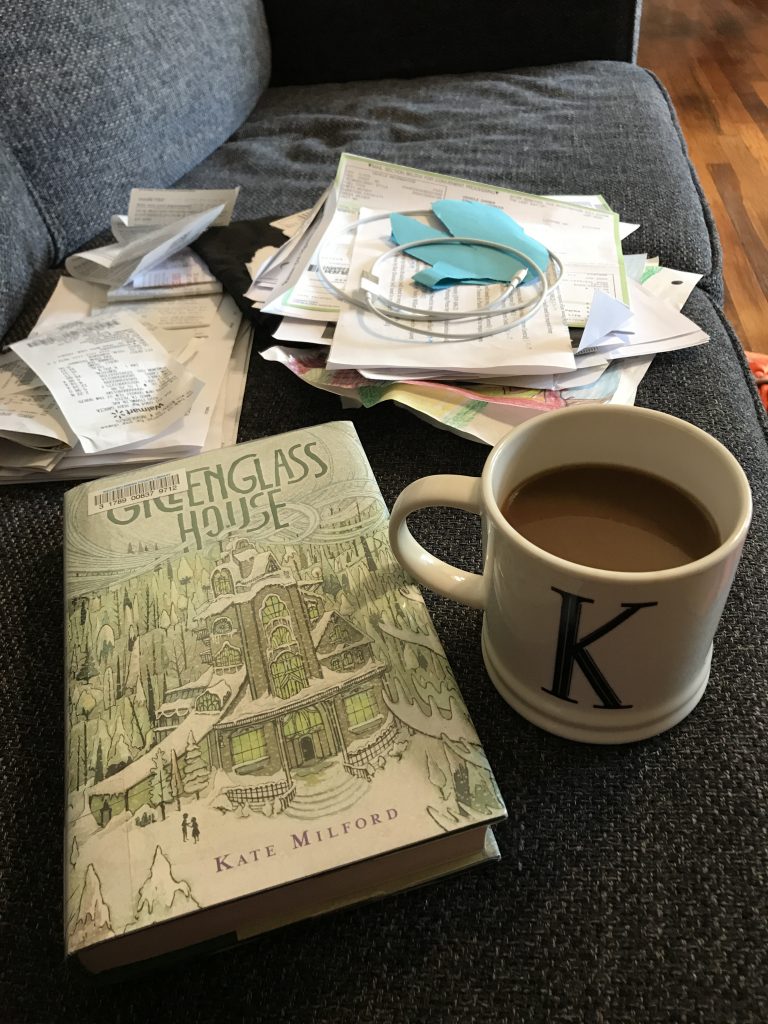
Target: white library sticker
137, 490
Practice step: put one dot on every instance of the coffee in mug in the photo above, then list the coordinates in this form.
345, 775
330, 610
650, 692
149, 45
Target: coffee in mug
597, 627
611, 517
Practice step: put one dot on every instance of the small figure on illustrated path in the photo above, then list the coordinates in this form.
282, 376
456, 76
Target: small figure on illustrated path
184, 827
195, 830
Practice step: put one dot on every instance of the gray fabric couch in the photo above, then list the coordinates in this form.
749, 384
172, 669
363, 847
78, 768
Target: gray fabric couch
634, 881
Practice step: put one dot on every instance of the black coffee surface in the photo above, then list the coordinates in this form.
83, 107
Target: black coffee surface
609, 517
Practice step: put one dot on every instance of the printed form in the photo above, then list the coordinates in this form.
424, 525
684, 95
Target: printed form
362, 340
585, 239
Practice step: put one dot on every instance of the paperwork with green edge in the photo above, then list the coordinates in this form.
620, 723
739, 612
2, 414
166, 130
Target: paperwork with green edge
585, 239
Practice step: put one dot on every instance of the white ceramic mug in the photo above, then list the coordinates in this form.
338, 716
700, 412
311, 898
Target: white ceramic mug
590, 654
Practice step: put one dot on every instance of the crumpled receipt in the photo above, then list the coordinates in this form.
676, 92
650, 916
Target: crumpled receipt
114, 382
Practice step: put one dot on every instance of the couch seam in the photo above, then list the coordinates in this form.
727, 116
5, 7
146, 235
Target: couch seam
714, 239
49, 222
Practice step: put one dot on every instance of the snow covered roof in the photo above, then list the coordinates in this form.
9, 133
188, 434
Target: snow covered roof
198, 724
325, 621
174, 706
260, 561
224, 601
346, 645
311, 586
221, 689
320, 627
189, 689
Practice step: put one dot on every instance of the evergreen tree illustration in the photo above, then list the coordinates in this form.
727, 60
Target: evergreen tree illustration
74, 852
120, 752
98, 772
134, 725
196, 771
93, 922
87, 670
162, 895
160, 782
177, 783
437, 776
109, 688
150, 700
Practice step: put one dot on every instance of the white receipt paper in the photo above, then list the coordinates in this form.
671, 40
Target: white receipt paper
116, 264
113, 381
153, 207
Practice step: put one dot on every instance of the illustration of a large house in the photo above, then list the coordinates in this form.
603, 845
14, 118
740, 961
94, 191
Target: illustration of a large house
290, 683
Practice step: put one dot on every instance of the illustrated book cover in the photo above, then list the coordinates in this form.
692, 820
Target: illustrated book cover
261, 721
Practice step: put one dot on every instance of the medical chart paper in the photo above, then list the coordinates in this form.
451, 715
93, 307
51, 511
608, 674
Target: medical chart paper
585, 239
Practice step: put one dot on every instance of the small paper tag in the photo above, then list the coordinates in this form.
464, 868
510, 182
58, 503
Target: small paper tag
137, 490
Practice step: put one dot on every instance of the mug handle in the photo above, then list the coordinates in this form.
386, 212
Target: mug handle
444, 491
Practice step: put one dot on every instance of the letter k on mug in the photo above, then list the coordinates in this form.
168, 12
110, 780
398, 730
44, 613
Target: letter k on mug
611, 535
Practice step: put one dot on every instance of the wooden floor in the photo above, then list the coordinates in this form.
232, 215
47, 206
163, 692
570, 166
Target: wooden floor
712, 55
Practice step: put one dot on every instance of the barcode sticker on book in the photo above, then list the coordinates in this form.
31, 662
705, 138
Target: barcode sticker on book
136, 490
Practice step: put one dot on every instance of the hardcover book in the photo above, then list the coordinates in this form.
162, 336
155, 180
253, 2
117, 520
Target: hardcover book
262, 723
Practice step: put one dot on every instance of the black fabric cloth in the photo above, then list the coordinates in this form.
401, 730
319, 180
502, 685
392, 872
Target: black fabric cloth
226, 250
632, 885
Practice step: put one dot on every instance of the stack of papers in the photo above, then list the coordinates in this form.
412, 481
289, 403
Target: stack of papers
591, 341
156, 371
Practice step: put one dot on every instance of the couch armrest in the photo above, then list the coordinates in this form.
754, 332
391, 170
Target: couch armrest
349, 41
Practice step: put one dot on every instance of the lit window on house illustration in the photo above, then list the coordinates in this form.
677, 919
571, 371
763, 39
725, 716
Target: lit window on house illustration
273, 608
361, 707
301, 722
313, 611
280, 636
288, 675
208, 702
248, 746
228, 657
222, 582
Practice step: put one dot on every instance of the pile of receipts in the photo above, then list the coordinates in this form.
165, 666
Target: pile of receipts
591, 341
138, 356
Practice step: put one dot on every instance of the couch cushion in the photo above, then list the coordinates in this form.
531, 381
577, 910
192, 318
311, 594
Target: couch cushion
597, 126
632, 882
630, 877
102, 95
25, 244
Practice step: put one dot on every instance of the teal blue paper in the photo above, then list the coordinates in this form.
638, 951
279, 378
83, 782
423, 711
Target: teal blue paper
443, 275
467, 264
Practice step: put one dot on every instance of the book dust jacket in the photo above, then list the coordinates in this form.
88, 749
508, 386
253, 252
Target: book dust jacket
255, 691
